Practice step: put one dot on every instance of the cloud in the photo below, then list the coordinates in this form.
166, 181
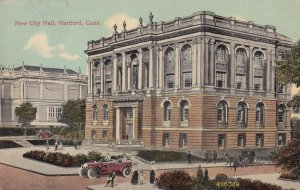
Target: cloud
39, 43
240, 17
118, 19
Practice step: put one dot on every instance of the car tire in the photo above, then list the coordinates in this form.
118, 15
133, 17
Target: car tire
83, 172
126, 171
93, 173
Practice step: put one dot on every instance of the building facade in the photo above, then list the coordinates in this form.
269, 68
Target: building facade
46, 88
199, 82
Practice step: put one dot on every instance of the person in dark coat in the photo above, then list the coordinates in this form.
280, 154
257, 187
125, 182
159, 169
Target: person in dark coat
235, 162
75, 144
56, 145
111, 179
215, 156
189, 158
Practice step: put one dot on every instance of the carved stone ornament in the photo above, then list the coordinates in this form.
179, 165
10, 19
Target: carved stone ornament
221, 66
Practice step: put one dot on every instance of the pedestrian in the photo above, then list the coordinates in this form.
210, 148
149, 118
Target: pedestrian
111, 179
235, 162
60, 145
215, 156
75, 144
107, 157
209, 156
152, 172
56, 145
47, 146
189, 158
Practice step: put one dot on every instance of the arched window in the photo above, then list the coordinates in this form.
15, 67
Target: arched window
242, 112
169, 68
281, 113
186, 66
108, 76
184, 110
167, 111
259, 113
105, 112
221, 53
222, 111
240, 56
258, 59
94, 113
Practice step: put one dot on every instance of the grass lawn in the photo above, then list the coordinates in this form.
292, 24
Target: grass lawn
165, 156
8, 144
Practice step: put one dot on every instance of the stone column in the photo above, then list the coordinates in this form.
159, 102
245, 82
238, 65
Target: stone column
268, 77
129, 85
92, 77
206, 72
89, 76
66, 92
161, 68
151, 67
102, 78
115, 74
212, 62
232, 65
118, 125
194, 63
251, 76
123, 71
273, 72
133, 122
177, 69
21, 89
201, 70
80, 91
141, 65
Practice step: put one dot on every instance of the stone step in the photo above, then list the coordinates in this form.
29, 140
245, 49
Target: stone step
23, 143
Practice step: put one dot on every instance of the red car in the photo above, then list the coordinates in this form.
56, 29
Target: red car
93, 170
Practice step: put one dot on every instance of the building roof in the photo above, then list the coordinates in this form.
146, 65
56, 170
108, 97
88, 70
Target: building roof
45, 69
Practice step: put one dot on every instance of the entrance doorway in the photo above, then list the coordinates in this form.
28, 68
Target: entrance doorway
128, 136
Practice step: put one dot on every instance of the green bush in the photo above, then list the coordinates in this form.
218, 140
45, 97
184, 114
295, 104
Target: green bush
18, 131
177, 179
80, 159
164, 156
94, 156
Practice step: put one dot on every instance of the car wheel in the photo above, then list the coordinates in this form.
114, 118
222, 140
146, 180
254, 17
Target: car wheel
83, 172
93, 173
126, 171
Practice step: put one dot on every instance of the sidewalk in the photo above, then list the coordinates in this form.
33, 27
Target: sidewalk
123, 186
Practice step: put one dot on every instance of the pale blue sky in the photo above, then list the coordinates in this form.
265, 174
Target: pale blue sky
59, 46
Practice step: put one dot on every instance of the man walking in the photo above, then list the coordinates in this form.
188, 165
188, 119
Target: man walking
189, 158
111, 179
215, 156
75, 144
56, 145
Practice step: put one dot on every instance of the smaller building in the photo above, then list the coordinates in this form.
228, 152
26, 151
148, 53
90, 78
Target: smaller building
46, 88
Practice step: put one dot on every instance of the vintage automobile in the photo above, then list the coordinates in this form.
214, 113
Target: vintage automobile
93, 170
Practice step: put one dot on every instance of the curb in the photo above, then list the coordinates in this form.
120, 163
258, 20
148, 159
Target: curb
49, 175
292, 180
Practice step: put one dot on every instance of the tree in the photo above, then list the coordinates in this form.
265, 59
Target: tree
73, 115
288, 157
288, 72
26, 113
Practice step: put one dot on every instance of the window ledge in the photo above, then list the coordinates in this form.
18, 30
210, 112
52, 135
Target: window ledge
166, 123
94, 122
258, 124
184, 124
105, 122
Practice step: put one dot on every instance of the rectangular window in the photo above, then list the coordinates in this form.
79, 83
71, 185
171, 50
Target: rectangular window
258, 83
240, 82
170, 80
259, 141
221, 141
281, 139
221, 80
54, 112
108, 87
187, 79
241, 141
104, 133
166, 139
182, 139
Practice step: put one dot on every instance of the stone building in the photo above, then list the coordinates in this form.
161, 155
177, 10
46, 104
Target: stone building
46, 88
199, 82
